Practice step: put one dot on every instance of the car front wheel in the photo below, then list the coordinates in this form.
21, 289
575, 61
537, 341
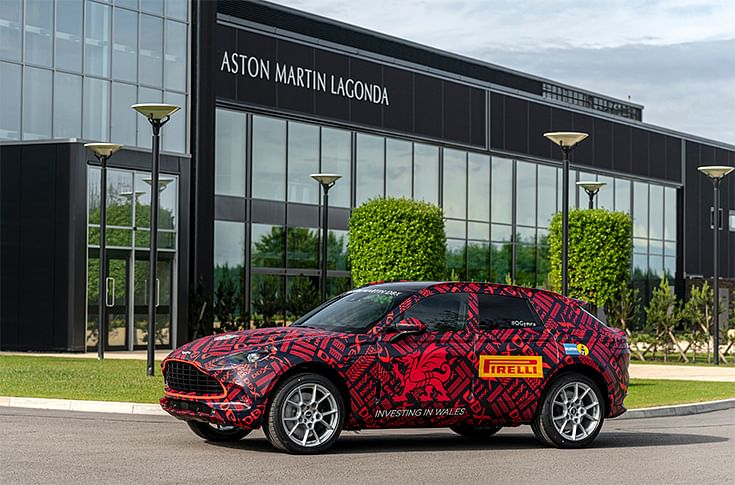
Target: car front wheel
306, 414
572, 412
216, 432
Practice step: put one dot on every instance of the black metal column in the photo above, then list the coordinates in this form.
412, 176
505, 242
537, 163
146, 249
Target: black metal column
325, 244
716, 274
565, 222
153, 257
102, 297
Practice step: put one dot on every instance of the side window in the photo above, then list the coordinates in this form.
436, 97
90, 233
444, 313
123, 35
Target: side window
441, 313
498, 311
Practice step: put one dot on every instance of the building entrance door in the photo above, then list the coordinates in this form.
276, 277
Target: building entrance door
164, 273
115, 302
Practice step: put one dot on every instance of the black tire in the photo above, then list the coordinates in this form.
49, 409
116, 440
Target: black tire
219, 434
274, 428
475, 432
543, 424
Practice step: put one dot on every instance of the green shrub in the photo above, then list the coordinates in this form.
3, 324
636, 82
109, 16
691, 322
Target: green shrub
599, 254
396, 239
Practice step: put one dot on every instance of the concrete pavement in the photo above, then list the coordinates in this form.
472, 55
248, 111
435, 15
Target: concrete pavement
683, 372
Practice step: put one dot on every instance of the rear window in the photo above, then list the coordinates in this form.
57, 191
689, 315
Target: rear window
500, 312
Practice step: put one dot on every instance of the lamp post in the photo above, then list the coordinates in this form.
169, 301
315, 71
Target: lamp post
327, 181
102, 151
591, 187
157, 115
716, 173
567, 141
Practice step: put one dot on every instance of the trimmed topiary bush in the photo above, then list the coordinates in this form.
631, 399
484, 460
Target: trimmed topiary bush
600, 249
396, 239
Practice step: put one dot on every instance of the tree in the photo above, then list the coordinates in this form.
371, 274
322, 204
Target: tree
267, 299
697, 315
622, 311
396, 239
302, 297
662, 318
600, 249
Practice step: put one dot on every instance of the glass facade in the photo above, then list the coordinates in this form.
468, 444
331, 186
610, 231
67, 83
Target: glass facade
72, 68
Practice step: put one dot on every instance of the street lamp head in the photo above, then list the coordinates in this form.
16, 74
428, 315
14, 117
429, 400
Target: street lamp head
566, 139
155, 111
716, 172
103, 149
326, 179
591, 187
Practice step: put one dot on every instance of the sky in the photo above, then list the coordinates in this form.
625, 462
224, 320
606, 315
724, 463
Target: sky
675, 57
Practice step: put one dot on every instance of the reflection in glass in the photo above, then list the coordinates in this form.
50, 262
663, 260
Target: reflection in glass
604, 198
267, 300
640, 209
303, 160
336, 158
229, 272
303, 247
525, 265
175, 139
177, 9
543, 264
526, 193
69, 20
97, 41
670, 213
229, 153
123, 119
501, 233
670, 267
398, 163
502, 191
268, 246
175, 65
370, 167
455, 229
572, 190
168, 196
147, 95
337, 250
526, 235
36, 104
478, 187
38, 29
336, 285
656, 212
11, 16
426, 173
302, 296
547, 197
456, 250
478, 261
150, 55
269, 158
622, 195
95, 123
478, 231
125, 45
152, 6
500, 261
455, 183
67, 100
10, 102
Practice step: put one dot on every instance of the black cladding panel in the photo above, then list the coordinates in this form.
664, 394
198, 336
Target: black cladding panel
428, 120
603, 144
326, 104
366, 113
539, 122
261, 93
585, 152
516, 124
639, 152
497, 121
400, 116
456, 104
657, 155
621, 161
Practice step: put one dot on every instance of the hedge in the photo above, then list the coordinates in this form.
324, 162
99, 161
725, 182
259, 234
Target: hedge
396, 239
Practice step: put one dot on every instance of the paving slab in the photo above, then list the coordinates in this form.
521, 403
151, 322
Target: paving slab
682, 372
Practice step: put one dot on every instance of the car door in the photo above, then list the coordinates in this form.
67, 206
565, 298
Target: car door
513, 356
428, 375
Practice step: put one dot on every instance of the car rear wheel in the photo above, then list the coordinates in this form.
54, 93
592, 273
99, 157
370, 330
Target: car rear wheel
306, 414
475, 432
572, 412
216, 432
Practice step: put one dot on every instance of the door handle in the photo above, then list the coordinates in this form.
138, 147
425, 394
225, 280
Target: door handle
158, 292
109, 291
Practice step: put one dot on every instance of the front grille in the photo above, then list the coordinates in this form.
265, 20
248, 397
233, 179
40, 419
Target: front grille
183, 377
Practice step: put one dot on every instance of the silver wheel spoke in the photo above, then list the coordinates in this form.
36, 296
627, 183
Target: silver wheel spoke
328, 426
579, 416
318, 419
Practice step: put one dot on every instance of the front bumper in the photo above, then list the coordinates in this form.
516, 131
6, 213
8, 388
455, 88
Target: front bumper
216, 412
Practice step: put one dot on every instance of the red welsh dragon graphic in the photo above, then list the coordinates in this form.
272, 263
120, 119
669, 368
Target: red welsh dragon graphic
422, 374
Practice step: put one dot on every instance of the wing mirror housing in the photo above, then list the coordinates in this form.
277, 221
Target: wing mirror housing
408, 326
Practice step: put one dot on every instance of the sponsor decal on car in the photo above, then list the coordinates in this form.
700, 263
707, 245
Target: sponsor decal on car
576, 349
224, 337
520, 366
419, 412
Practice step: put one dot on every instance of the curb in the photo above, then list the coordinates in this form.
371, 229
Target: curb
679, 409
80, 405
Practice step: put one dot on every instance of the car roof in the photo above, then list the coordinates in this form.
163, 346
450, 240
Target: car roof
415, 286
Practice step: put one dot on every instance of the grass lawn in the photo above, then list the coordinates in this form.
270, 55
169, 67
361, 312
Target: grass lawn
125, 380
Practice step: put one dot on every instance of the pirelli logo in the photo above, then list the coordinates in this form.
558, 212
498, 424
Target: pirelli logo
523, 366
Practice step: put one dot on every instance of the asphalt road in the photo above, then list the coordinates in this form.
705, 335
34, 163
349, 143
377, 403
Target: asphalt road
65, 447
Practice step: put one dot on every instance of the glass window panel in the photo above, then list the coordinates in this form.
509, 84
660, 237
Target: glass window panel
302, 247
123, 120
175, 65
229, 245
336, 158
151, 51
268, 246
67, 100
501, 204
167, 202
669, 267
640, 266
269, 158
526, 264
456, 258
146, 95
526, 235
38, 31
36, 104
656, 212
604, 198
142, 200
655, 267
543, 263
370, 167
152, 6
11, 16
546, 194
670, 248
229, 153
640, 209
93, 195
572, 188
398, 165
69, 19
501, 232
125, 45
10, 102
95, 119
267, 301
500, 261
655, 247
337, 250
622, 195
133, 4
97, 40
478, 230
526, 193
478, 187
581, 194
455, 183
229, 267
302, 296
303, 160
426, 173
119, 199
478, 261
670, 213
455, 229
174, 138
177, 9
640, 245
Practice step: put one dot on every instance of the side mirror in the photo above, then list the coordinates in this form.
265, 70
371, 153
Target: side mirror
408, 326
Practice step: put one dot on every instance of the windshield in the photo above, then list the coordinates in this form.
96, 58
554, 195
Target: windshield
355, 311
